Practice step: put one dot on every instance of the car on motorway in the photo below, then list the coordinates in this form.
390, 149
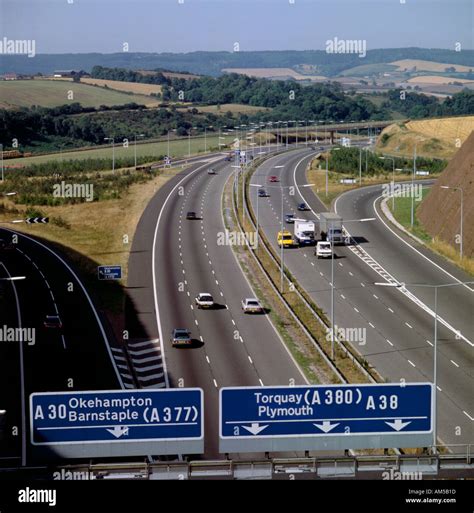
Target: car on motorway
211, 171
302, 207
262, 193
323, 249
204, 300
251, 305
191, 216
52, 322
273, 179
6, 246
285, 239
181, 337
290, 218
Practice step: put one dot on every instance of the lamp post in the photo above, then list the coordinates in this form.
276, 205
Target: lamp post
435, 347
1, 151
462, 208
331, 224
256, 185
412, 213
135, 147
113, 151
393, 179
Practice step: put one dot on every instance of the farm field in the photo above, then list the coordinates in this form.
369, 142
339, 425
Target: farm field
435, 79
235, 108
434, 137
427, 65
178, 148
51, 93
272, 73
128, 87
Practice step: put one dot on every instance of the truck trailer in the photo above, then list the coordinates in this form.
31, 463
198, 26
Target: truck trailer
330, 227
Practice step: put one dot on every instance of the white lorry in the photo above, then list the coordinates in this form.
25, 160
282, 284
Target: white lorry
330, 227
304, 232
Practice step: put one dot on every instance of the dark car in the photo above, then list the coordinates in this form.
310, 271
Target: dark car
290, 218
191, 215
262, 193
52, 322
302, 206
181, 337
6, 246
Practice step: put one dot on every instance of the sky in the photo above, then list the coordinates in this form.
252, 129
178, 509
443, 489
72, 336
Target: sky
82, 26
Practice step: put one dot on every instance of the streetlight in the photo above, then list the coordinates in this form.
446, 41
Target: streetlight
412, 214
135, 147
113, 151
256, 185
1, 151
393, 179
435, 348
462, 208
330, 230
327, 169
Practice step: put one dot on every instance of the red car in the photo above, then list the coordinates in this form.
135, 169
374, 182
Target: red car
273, 179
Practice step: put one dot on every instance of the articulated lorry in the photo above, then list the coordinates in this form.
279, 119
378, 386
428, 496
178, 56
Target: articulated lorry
304, 232
330, 227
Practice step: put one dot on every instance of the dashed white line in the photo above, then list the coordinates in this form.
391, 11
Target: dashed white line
195, 320
376, 297
439, 388
233, 322
454, 363
371, 325
215, 383
356, 309
208, 361
430, 343
250, 359
343, 296
262, 385
411, 363
389, 342
391, 310
351, 273
411, 327
467, 414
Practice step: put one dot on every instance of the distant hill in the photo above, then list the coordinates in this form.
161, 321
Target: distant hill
438, 137
212, 63
441, 209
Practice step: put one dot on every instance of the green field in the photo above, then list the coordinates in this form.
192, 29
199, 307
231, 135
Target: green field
368, 69
178, 148
402, 214
51, 93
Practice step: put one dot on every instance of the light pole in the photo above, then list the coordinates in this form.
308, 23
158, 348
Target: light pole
256, 185
113, 151
412, 213
462, 208
135, 147
1, 151
330, 237
393, 179
435, 347
327, 169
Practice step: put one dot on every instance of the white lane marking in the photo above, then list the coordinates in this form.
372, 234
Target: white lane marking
241, 339
222, 294
321, 273
389, 342
362, 284
341, 264
411, 327
371, 325
215, 383
467, 414
64, 341
192, 307
250, 359
201, 339
411, 363
343, 296
351, 273
356, 309
376, 297
454, 363
439, 388
430, 343
208, 361
262, 385
233, 322
390, 309
312, 263
187, 292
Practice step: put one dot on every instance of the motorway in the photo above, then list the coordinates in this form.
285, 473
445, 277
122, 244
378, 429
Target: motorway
75, 358
172, 260
399, 330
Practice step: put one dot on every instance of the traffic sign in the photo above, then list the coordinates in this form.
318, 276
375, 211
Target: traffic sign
35, 220
325, 417
118, 422
423, 173
110, 272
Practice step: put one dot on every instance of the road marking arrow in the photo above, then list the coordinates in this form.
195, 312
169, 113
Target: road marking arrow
398, 424
255, 428
119, 431
326, 426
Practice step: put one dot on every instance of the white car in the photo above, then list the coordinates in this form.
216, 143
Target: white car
211, 171
204, 300
323, 249
251, 305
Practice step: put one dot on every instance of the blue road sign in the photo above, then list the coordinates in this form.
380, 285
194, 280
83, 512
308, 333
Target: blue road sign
110, 272
325, 416
139, 418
